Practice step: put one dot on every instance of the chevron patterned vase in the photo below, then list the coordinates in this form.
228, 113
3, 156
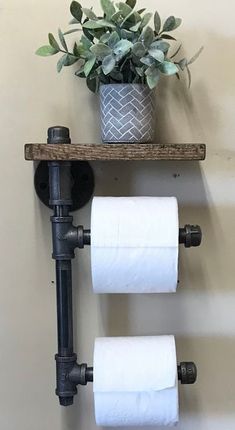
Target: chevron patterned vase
126, 113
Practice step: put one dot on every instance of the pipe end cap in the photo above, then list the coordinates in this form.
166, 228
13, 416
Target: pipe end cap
58, 134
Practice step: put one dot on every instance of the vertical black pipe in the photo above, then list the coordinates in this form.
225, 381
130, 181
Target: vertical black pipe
60, 200
64, 308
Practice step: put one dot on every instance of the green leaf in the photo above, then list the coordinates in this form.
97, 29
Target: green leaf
81, 51
126, 34
80, 72
53, 42
157, 22
131, 14
91, 25
89, 65
108, 64
168, 68
147, 36
116, 16
183, 63
160, 44
172, 23
70, 60
141, 11
95, 72
137, 18
136, 27
140, 71
113, 39
88, 33
116, 75
136, 80
89, 13
157, 54
178, 22
195, 57
148, 61
95, 32
62, 39
76, 10
127, 17
122, 47
167, 36
46, 50
125, 9
61, 63
98, 33
101, 50
71, 31
104, 79
150, 69
153, 78
101, 23
93, 84
78, 50
139, 49
105, 38
108, 8
131, 3
169, 24
146, 19
66, 60
86, 42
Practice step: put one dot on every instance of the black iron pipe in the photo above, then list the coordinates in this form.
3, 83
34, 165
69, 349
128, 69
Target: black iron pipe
63, 251
190, 236
81, 374
64, 308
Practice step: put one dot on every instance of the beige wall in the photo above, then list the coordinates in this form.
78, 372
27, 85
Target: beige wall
202, 313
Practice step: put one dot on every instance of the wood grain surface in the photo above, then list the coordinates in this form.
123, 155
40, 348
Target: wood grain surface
34, 152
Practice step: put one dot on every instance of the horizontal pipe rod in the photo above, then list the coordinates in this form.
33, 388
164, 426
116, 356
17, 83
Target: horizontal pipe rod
81, 374
190, 235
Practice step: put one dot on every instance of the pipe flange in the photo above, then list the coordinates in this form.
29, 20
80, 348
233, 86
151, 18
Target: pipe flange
82, 179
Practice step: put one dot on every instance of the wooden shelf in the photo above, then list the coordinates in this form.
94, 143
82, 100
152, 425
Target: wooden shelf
106, 152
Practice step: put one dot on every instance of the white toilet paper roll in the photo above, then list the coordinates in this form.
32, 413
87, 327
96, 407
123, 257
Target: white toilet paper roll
134, 244
135, 381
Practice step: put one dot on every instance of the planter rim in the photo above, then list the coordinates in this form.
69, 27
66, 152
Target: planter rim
125, 84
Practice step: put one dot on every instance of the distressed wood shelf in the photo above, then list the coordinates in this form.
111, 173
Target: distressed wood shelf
106, 152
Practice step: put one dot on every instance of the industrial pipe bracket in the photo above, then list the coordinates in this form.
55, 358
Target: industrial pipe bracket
56, 186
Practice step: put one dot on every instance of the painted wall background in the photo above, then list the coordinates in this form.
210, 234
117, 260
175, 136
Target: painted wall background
201, 314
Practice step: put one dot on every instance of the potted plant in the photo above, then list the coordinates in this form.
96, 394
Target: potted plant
122, 58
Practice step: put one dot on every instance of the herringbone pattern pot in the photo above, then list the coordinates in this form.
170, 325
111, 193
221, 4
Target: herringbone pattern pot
126, 113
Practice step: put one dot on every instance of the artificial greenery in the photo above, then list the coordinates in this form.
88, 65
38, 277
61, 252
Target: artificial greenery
120, 46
